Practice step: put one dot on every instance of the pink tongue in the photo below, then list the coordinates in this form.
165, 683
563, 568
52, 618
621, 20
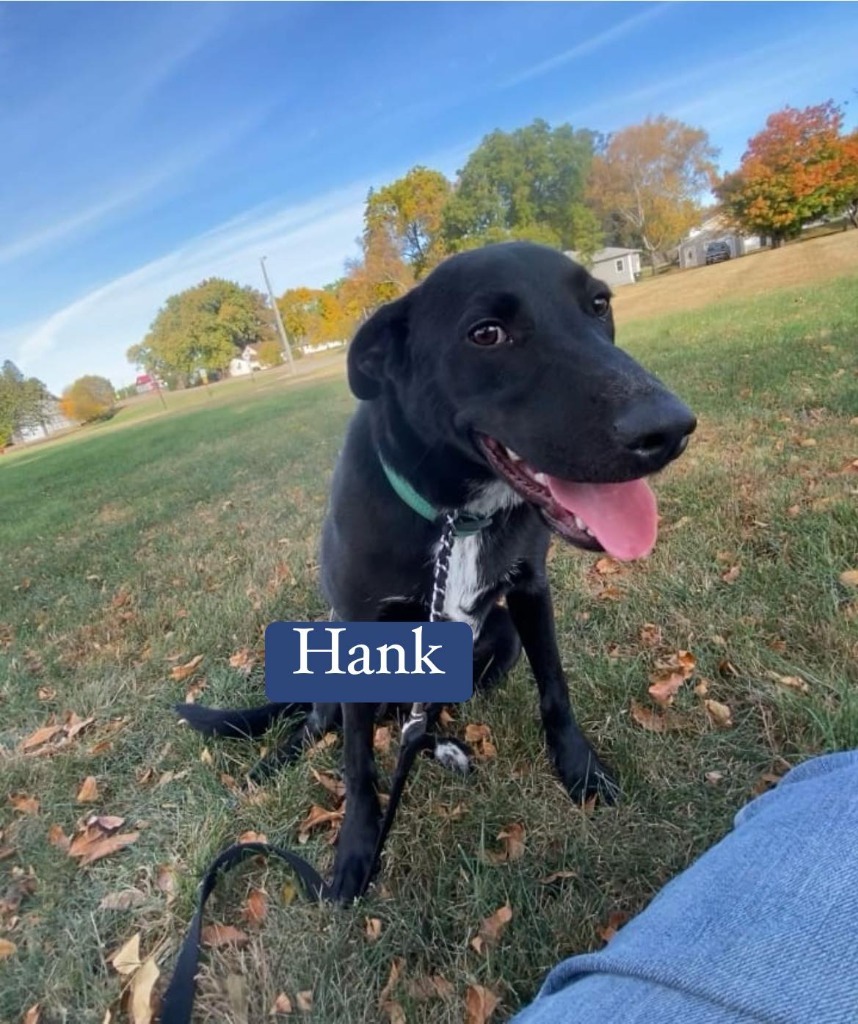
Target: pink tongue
622, 517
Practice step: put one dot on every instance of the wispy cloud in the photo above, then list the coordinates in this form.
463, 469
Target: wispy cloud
305, 244
591, 45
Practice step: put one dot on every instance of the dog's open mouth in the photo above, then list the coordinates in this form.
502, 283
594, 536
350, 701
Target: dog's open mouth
620, 518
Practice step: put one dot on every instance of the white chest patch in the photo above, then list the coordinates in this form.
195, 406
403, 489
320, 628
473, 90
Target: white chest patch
463, 581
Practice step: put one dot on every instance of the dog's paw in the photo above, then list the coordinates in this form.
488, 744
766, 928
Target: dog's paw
353, 863
587, 778
453, 755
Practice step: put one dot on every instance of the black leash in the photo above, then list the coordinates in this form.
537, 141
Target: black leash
178, 1002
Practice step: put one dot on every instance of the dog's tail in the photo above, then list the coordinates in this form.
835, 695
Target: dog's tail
247, 722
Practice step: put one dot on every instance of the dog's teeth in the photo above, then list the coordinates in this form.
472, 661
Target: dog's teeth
541, 478
513, 455
579, 522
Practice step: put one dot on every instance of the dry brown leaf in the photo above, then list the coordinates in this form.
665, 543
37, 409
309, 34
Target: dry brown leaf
336, 787
719, 714
74, 724
665, 685
479, 736
7, 949
615, 921
392, 978
255, 908
328, 740
727, 668
107, 822
40, 736
372, 928
650, 634
732, 574
216, 935
434, 987
206, 756
492, 928
394, 1012
512, 840
607, 566
182, 672
126, 960
194, 690
557, 876
791, 682
480, 1004
702, 688
316, 818
88, 792
123, 900
58, 838
381, 739
282, 1005
165, 881
304, 1000
648, 719
849, 578
45, 693
91, 845
33, 1015
713, 778
141, 992
242, 660
24, 804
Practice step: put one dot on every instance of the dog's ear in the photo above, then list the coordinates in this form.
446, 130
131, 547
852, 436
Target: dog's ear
377, 348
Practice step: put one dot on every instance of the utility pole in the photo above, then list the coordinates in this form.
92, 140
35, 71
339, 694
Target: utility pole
281, 329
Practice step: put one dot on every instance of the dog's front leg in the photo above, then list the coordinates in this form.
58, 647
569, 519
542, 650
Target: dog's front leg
360, 828
579, 768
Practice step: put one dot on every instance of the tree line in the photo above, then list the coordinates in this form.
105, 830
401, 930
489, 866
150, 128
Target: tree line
642, 187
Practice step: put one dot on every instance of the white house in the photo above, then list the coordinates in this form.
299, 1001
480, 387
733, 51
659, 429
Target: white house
246, 363
692, 249
614, 265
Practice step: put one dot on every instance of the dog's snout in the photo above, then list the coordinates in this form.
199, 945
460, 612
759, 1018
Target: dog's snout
656, 430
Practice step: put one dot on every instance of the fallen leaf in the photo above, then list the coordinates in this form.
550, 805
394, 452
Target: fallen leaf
88, 792
791, 682
336, 787
304, 1000
58, 838
32, 1016
7, 949
556, 876
491, 928
665, 686
46, 693
381, 739
727, 668
126, 960
394, 1012
650, 634
123, 900
206, 756
194, 690
435, 987
512, 839
317, 817
648, 719
141, 992
392, 978
849, 578
282, 1005
480, 1004
181, 672
479, 736
328, 740
24, 804
242, 660
713, 778
607, 567
92, 845
372, 928
255, 908
252, 837
702, 688
40, 736
615, 921
765, 782
216, 935
74, 724
719, 714
732, 574
107, 822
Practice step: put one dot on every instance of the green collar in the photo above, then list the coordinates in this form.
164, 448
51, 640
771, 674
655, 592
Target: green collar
466, 523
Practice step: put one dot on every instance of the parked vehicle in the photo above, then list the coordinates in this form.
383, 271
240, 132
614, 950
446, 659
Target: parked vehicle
717, 252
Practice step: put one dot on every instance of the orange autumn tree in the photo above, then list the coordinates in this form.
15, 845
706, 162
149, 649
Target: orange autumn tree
798, 168
648, 181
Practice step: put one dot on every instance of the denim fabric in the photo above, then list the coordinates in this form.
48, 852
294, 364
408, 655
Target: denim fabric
763, 927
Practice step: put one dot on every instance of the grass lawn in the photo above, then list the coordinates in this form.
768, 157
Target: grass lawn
135, 550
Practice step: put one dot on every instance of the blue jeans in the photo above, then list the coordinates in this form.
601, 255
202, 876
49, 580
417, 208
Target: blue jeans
763, 927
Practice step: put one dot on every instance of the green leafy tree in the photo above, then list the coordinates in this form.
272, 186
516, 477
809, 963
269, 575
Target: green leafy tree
529, 183
269, 353
800, 167
24, 401
649, 178
89, 398
410, 210
201, 329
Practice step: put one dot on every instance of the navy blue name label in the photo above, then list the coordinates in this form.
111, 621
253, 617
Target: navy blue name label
384, 662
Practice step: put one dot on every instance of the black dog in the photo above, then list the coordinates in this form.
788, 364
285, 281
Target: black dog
492, 388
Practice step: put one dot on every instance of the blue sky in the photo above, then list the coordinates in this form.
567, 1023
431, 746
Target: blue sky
148, 146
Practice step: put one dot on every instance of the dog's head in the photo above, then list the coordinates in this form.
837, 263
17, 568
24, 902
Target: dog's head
507, 355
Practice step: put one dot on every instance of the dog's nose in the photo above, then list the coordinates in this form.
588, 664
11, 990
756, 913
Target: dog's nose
656, 429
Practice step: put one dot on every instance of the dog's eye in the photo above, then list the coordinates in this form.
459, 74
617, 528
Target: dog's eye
488, 334
601, 305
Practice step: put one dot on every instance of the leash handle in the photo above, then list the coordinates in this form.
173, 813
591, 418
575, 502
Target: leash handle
178, 1003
